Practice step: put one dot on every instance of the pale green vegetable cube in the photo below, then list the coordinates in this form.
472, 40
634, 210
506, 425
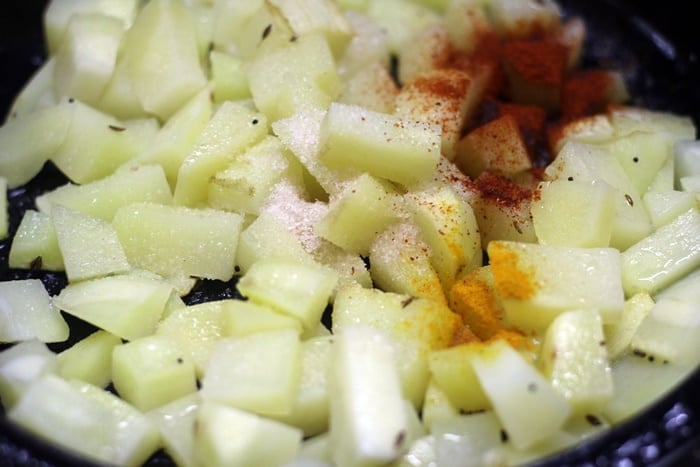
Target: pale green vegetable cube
404, 151
310, 411
89, 246
400, 263
195, 329
29, 140
36, 94
86, 58
436, 406
575, 359
687, 158
402, 19
252, 21
587, 162
59, 12
573, 213
663, 257
242, 187
664, 180
638, 383
471, 436
240, 318
102, 198
371, 87
296, 76
325, 16
128, 306
86, 420
152, 371
357, 214
448, 98
537, 282
629, 119
35, 242
228, 77
96, 143
619, 335
301, 134
176, 423
665, 206
176, 241
170, 146
449, 227
119, 98
22, 364
527, 405
259, 372
301, 291
89, 359
641, 156
416, 326
233, 129
268, 237
227, 436
364, 380
452, 371
162, 57
26, 312
368, 46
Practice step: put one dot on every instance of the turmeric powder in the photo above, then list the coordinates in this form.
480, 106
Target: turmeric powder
474, 298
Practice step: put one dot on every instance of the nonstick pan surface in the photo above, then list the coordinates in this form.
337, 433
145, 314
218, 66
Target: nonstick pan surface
654, 44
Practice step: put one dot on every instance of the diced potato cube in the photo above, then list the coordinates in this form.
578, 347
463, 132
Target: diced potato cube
233, 129
310, 411
152, 371
575, 359
240, 318
664, 256
89, 246
364, 381
89, 359
358, 214
403, 151
527, 405
400, 263
162, 57
294, 77
619, 335
445, 97
259, 372
573, 213
22, 364
173, 142
195, 329
665, 206
28, 141
87, 420
449, 227
228, 436
35, 242
86, 58
176, 422
128, 306
102, 198
402, 19
496, 146
176, 241
301, 291
452, 371
538, 282
26, 312
228, 76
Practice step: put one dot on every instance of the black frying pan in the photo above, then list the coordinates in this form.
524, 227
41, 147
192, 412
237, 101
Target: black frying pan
655, 45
